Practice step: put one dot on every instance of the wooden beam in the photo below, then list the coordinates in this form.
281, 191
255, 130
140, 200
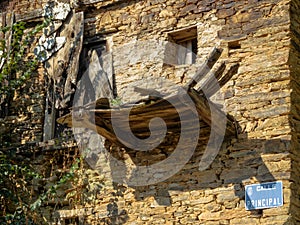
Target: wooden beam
205, 68
211, 84
75, 39
204, 108
230, 73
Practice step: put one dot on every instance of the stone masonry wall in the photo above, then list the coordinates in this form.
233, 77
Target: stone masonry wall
262, 98
22, 117
294, 117
254, 33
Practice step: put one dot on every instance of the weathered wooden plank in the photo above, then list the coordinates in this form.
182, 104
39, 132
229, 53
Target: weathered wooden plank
231, 72
205, 68
2, 37
139, 120
10, 19
204, 109
164, 109
66, 59
76, 40
4, 99
30, 15
49, 117
211, 85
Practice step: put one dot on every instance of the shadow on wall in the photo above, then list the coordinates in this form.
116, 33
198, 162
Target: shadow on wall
241, 161
114, 214
235, 165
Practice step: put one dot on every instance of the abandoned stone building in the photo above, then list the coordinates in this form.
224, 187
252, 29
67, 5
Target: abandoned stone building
239, 58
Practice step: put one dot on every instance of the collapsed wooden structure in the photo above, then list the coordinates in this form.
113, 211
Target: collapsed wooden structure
154, 105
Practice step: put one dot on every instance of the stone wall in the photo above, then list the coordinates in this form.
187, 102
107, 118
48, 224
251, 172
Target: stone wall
257, 35
22, 114
262, 98
294, 116
26, 110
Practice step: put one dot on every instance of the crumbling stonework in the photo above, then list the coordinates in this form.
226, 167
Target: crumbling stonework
263, 37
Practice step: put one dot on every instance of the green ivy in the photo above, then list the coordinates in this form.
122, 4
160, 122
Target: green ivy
14, 179
18, 67
52, 190
116, 101
18, 64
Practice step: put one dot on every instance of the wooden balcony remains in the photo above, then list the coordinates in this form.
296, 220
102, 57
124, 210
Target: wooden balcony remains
154, 105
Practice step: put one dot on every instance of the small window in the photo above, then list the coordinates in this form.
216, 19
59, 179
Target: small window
188, 44
99, 46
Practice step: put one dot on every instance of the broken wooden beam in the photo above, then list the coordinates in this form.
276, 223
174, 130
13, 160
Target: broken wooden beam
135, 117
231, 72
139, 118
205, 68
217, 81
210, 86
205, 108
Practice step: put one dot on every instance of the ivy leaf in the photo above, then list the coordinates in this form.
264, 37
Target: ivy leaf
36, 204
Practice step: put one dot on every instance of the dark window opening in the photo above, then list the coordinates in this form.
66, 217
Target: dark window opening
234, 45
188, 45
100, 46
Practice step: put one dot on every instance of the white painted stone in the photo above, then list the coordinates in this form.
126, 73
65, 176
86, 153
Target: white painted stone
59, 11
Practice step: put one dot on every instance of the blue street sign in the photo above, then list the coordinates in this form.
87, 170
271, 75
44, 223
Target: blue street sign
263, 196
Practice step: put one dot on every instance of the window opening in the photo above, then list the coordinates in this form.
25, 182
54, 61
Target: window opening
188, 45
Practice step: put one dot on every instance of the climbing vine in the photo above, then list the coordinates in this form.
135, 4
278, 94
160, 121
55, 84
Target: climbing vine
16, 63
52, 191
15, 177
24, 191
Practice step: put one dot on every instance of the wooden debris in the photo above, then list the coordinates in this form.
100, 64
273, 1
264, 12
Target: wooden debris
76, 40
140, 116
206, 67
217, 81
155, 105
59, 49
211, 85
65, 60
232, 71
